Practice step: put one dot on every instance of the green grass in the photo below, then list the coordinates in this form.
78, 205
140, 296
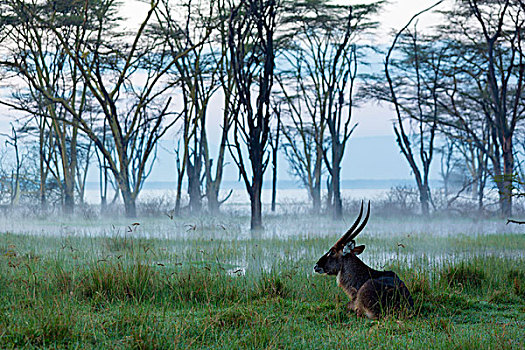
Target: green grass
197, 289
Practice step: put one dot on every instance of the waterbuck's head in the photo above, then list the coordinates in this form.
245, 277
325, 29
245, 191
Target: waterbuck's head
331, 263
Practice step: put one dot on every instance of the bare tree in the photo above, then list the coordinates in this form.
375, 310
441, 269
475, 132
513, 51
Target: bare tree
251, 42
37, 125
415, 98
413, 91
198, 78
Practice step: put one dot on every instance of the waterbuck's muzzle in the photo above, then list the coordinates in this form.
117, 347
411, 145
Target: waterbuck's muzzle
318, 269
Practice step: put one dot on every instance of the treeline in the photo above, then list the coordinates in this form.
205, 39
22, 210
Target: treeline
87, 89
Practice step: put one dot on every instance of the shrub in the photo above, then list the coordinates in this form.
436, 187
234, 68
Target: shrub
272, 285
118, 281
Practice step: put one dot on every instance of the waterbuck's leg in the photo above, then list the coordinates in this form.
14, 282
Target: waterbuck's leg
374, 298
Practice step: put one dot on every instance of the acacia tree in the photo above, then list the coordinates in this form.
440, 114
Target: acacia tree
229, 114
320, 88
490, 69
475, 146
38, 57
199, 75
304, 131
110, 65
251, 45
37, 125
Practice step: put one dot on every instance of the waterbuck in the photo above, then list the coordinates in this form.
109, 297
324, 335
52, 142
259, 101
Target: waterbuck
371, 292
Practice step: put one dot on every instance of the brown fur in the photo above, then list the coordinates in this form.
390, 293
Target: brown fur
372, 293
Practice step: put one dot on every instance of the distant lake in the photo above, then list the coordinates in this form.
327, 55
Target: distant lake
239, 196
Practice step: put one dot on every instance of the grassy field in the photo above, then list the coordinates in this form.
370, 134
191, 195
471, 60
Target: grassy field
210, 283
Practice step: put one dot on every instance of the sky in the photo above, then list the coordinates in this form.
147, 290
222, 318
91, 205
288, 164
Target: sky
372, 152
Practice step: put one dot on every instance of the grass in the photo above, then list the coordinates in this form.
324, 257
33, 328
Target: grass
196, 288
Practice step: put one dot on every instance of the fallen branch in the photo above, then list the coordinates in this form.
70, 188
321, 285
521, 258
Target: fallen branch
515, 222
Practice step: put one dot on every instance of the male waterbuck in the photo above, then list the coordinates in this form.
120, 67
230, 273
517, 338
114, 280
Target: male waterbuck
371, 292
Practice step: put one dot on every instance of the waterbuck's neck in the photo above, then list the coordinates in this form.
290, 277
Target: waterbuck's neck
354, 272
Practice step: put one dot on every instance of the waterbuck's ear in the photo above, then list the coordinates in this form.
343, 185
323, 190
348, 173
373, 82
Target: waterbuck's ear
358, 250
349, 247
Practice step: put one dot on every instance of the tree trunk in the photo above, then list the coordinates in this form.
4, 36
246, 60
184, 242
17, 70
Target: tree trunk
336, 180
42, 189
69, 199
330, 194
256, 205
481, 191
128, 196
103, 204
275, 148
43, 172
424, 200
274, 179
212, 195
103, 185
507, 181
336, 185
178, 194
316, 198
316, 192
43, 200
180, 177
129, 203
194, 187
503, 175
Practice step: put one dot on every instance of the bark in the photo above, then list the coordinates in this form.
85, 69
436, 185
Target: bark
275, 148
335, 172
194, 185
316, 185
508, 179
213, 183
129, 204
256, 205
212, 195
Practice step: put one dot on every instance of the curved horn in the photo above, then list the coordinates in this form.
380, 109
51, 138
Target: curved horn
362, 225
344, 238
